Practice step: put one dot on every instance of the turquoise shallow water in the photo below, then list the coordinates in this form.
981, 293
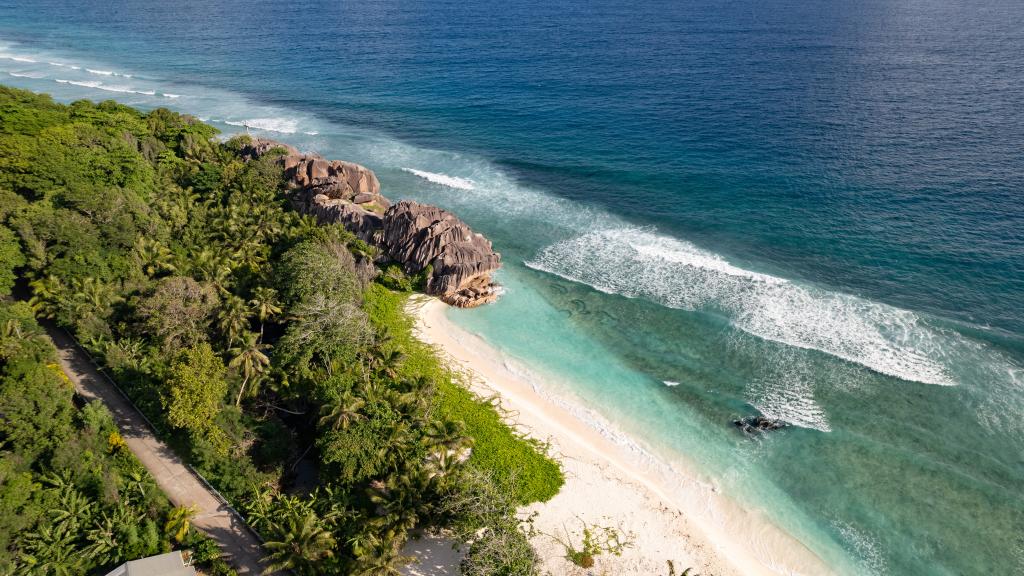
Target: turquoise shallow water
706, 210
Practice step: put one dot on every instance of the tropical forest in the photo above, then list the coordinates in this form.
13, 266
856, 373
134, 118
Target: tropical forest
270, 353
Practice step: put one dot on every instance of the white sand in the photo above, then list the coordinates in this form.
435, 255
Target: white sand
694, 526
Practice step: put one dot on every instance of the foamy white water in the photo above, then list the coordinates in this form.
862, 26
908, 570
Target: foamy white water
638, 262
443, 179
281, 125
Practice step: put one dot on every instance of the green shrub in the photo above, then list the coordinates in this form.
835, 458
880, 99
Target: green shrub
518, 464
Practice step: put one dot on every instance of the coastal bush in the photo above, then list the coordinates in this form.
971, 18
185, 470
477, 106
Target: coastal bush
518, 464
73, 499
11, 259
483, 514
594, 540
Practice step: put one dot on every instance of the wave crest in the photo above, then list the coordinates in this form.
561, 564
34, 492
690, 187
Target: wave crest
443, 179
282, 125
637, 262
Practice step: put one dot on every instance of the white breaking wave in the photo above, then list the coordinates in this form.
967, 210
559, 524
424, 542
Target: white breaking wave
637, 262
17, 58
868, 550
169, 95
107, 73
101, 86
786, 392
87, 84
33, 76
282, 125
670, 383
443, 179
62, 65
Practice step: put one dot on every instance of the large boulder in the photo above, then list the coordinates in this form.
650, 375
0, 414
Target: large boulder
462, 261
311, 174
334, 179
259, 147
358, 220
412, 234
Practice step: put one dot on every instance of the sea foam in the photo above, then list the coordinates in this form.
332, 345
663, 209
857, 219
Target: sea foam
17, 58
442, 179
638, 262
282, 125
101, 86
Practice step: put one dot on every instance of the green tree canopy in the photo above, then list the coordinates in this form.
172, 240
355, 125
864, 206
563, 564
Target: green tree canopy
196, 387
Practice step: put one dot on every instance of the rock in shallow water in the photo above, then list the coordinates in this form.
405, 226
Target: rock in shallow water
758, 424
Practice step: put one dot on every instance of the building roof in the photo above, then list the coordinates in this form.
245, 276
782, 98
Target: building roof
170, 564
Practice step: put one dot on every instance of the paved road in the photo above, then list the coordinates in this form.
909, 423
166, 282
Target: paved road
240, 547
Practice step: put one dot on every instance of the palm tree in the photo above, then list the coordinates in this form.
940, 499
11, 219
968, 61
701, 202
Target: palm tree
379, 562
214, 268
252, 254
154, 256
342, 411
264, 302
248, 357
179, 520
386, 363
47, 296
93, 296
233, 318
447, 434
304, 542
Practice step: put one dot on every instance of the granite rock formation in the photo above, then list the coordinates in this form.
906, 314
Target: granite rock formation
462, 261
414, 235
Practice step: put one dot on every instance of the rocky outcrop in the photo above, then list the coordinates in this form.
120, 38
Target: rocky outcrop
759, 424
357, 219
332, 178
462, 261
412, 234
258, 147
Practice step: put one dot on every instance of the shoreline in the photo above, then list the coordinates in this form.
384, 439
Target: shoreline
604, 485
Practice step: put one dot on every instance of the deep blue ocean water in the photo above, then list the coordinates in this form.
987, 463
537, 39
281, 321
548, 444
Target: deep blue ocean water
812, 210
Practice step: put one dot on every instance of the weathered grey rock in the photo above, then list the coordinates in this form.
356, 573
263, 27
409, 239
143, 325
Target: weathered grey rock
759, 424
312, 173
336, 179
361, 222
257, 147
412, 234
462, 261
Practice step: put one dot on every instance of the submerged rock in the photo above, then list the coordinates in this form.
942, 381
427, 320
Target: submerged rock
759, 424
414, 235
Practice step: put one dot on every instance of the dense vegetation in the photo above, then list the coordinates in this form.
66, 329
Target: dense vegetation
72, 497
269, 351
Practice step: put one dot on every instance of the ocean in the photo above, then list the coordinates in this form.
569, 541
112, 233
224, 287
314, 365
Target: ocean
707, 210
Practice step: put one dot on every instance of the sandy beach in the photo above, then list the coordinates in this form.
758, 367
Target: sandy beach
682, 520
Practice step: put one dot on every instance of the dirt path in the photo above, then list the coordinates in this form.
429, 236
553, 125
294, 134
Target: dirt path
240, 547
